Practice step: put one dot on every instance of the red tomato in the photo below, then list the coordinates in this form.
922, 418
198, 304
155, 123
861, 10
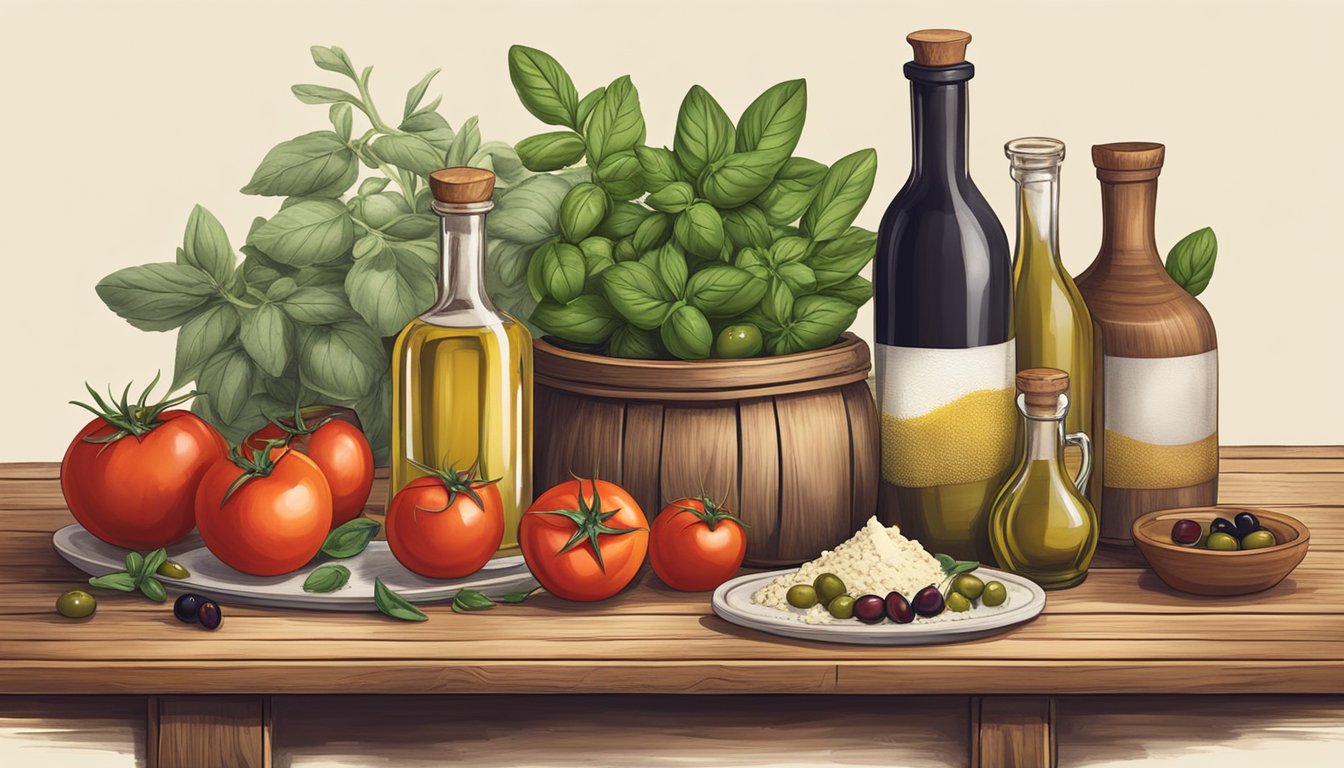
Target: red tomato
695, 545
582, 544
274, 522
138, 491
340, 450
445, 526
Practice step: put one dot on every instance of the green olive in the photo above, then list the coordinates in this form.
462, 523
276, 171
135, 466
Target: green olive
801, 596
957, 602
1223, 542
969, 585
172, 570
828, 587
842, 607
739, 340
995, 594
76, 604
1258, 540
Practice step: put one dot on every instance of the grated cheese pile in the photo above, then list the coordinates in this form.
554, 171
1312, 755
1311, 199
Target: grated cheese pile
875, 561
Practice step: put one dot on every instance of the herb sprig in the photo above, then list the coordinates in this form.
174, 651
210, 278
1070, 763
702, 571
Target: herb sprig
139, 575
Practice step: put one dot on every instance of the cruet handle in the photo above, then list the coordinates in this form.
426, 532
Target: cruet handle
1084, 444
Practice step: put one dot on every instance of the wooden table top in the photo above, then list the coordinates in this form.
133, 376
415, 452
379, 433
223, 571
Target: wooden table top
1121, 631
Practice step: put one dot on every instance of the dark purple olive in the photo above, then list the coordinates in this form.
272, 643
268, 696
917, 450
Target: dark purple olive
1222, 525
209, 614
928, 601
186, 607
1186, 533
1246, 523
898, 609
870, 609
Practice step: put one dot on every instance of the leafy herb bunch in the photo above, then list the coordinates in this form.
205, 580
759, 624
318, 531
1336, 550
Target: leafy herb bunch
734, 228
327, 281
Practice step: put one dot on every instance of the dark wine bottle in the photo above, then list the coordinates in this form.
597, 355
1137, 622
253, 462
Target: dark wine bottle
945, 350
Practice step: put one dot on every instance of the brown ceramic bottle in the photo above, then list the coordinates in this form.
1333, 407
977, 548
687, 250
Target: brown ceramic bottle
1160, 362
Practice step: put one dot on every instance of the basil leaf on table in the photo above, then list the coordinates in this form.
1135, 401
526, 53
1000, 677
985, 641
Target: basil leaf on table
616, 123
587, 319
150, 565
135, 565
394, 605
543, 86
120, 581
1191, 260
153, 589
518, 597
687, 334
637, 293
327, 578
551, 151
468, 600
841, 196
351, 538
704, 133
310, 164
156, 297
582, 209
563, 271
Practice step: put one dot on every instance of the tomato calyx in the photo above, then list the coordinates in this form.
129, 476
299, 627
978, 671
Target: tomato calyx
136, 420
309, 418
254, 463
455, 482
589, 522
713, 512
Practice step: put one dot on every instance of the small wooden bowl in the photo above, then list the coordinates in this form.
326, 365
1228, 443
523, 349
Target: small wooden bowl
1213, 572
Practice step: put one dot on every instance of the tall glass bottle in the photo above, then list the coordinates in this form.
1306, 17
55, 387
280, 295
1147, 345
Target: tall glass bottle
945, 354
1160, 390
1041, 525
462, 371
1054, 328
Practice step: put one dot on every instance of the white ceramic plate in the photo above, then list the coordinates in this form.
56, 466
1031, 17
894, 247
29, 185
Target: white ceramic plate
213, 578
732, 602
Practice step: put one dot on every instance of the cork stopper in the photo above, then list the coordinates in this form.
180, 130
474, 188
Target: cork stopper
939, 47
1128, 160
1042, 388
462, 186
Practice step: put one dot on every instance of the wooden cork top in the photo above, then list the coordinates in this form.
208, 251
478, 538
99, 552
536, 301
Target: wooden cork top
1042, 388
1128, 160
462, 186
939, 47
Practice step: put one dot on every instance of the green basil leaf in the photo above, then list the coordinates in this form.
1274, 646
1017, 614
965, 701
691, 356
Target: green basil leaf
616, 123
394, 605
686, 333
156, 297
963, 566
372, 186
817, 322
588, 319
543, 86
792, 191
135, 566
501, 158
318, 164
755, 260
856, 290
318, 305
536, 283
699, 229
350, 538
788, 250
746, 226
674, 197
551, 151
621, 176
430, 127
622, 220
379, 209
738, 179
1191, 261
321, 94
332, 59
658, 167
226, 378
669, 263
343, 122
637, 293
341, 361
653, 231
598, 255
586, 105
201, 337
529, 212
773, 123
389, 289
947, 561
267, 336
307, 232
411, 152
841, 196
704, 132
840, 259
375, 415
465, 144
506, 264
281, 289
121, 582
637, 343
416, 94
798, 277
412, 226
468, 600
724, 291
563, 270
327, 578
625, 250
583, 208
778, 304
153, 589
518, 597
206, 246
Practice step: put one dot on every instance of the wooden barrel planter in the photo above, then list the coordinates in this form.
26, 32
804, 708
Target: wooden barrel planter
789, 443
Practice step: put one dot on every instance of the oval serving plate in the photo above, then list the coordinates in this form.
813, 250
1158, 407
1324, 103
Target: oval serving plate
214, 578
732, 602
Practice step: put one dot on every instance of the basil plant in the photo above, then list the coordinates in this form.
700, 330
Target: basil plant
653, 252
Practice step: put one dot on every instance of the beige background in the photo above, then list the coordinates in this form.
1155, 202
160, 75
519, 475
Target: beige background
118, 116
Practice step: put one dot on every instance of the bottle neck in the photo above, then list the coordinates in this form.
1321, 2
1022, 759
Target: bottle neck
939, 129
1128, 214
462, 249
1044, 437
1038, 215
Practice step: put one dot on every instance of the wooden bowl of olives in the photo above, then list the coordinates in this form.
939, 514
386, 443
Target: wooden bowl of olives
1221, 550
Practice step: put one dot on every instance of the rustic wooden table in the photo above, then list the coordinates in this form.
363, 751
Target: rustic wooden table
1121, 632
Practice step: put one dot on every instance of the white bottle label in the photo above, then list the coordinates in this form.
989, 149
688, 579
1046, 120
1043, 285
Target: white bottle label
1161, 421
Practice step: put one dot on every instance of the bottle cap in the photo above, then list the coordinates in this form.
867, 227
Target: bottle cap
939, 47
462, 186
1041, 388
1034, 153
1128, 160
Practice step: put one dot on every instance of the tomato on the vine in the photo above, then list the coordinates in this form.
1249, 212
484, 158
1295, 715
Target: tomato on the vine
582, 544
331, 437
445, 525
130, 475
696, 545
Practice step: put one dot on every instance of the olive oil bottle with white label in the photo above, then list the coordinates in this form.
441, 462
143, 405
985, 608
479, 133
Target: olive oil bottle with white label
1159, 394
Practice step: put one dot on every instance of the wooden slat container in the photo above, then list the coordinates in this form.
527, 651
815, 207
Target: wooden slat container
789, 443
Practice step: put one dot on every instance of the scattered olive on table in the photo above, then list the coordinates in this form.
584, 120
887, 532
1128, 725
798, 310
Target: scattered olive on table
76, 604
801, 596
898, 608
209, 615
928, 602
995, 594
870, 609
186, 607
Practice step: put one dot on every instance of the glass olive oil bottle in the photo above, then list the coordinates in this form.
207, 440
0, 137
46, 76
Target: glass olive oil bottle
945, 352
462, 371
1054, 328
1042, 526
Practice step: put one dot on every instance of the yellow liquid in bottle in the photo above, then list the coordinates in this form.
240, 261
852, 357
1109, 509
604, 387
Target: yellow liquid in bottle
1042, 528
462, 397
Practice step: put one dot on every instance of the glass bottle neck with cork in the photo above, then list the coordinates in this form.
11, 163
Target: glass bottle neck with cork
462, 201
1043, 402
938, 105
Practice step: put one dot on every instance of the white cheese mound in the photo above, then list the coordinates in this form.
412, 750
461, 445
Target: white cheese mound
875, 561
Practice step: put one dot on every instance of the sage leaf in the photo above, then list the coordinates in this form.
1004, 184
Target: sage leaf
704, 132
856, 290
543, 86
528, 213
153, 589
206, 246
747, 226
621, 176
674, 197
389, 289
817, 322
686, 333
432, 129
1191, 261
636, 343
637, 293
563, 270
616, 123
200, 337
465, 144
267, 336
411, 152
308, 232
468, 600
350, 538
583, 208
317, 305
669, 263
587, 319
332, 59
739, 178
724, 291
341, 361
226, 379
653, 231
586, 105
417, 93
947, 561
840, 259
327, 578
841, 196
120, 581
773, 123
321, 94
394, 605
551, 151
622, 220
156, 297
794, 187
699, 229
658, 167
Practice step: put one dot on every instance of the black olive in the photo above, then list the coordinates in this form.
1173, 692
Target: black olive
1246, 523
186, 607
928, 601
898, 609
1222, 525
210, 615
870, 609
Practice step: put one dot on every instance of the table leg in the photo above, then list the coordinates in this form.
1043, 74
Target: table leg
209, 731
1012, 732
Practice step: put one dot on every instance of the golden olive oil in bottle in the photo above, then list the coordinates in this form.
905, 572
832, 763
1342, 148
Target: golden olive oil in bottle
462, 371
